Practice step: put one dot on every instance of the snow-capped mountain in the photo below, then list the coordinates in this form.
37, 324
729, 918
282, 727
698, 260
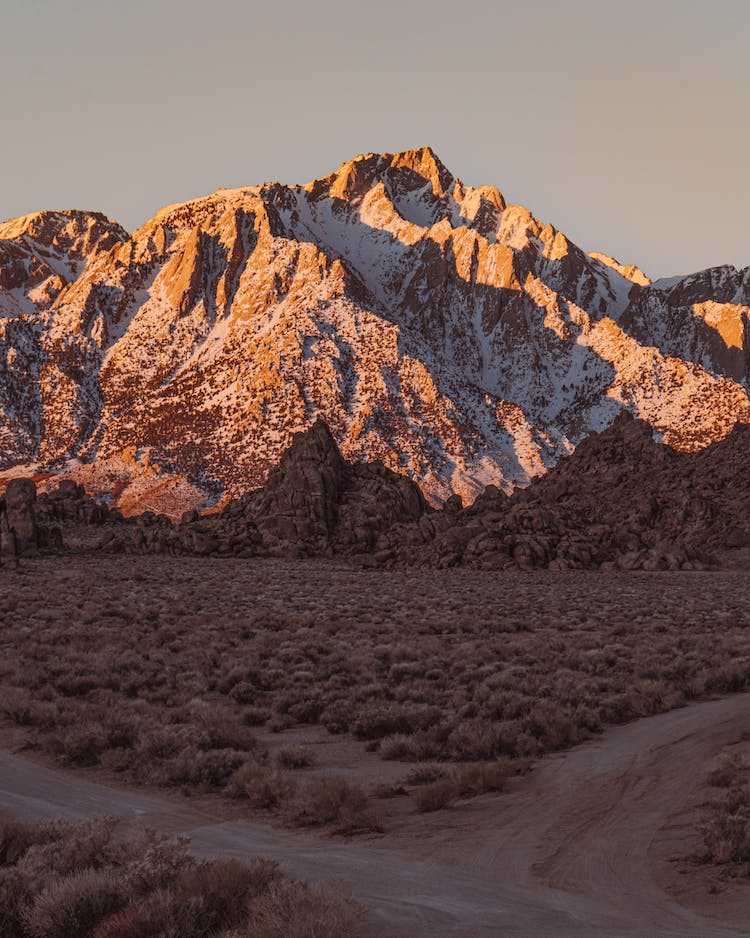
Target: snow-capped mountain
454, 337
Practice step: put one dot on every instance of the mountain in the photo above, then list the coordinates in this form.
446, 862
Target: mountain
435, 328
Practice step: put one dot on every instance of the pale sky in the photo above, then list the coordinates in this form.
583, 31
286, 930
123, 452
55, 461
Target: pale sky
624, 123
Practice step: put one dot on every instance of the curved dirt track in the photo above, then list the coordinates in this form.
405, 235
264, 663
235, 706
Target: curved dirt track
567, 852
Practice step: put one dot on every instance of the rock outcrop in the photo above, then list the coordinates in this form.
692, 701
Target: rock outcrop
8, 547
30, 523
20, 496
621, 501
314, 503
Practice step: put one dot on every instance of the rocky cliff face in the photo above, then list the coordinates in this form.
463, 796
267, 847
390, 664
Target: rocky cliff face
455, 338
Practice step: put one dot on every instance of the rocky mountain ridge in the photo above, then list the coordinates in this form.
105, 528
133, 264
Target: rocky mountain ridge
453, 337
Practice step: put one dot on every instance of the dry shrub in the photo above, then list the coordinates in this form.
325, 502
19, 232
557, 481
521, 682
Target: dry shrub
424, 774
17, 836
727, 838
204, 769
398, 748
429, 744
295, 757
726, 834
148, 886
14, 893
160, 914
305, 710
375, 722
70, 907
156, 745
331, 802
243, 692
117, 760
437, 795
384, 791
203, 900
81, 745
256, 716
25, 709
477, 779
125, 924
466, 781
152, 860
475, 740
293, 910
261, 786
219, 728
225, 886
263, 874
553, 728
41, 855
87, 845
730, 771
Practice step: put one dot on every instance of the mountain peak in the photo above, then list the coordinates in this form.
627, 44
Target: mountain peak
427, 165
64, 226
407, 170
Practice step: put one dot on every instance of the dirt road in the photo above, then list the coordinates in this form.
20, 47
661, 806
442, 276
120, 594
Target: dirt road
570, 851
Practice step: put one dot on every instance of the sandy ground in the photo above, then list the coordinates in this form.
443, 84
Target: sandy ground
582, 847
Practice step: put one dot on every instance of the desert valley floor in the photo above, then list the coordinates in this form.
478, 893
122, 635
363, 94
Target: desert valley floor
473, 753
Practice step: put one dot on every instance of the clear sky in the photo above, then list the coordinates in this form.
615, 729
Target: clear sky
625, 123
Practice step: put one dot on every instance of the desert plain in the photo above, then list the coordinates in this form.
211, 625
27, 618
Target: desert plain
464, 752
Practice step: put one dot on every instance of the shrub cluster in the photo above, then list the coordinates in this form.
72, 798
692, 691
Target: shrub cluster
326, 801
726, 832
466, 781
63, 880
161, 668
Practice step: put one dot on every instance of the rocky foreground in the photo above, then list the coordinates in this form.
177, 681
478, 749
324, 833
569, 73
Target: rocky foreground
620, 501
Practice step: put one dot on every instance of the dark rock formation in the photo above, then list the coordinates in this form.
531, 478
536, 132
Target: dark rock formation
20, 496
300, 501
8, 548
314, 502
70, 503
622, 501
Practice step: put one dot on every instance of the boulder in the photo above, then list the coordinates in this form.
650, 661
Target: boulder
20, 496
8, 549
